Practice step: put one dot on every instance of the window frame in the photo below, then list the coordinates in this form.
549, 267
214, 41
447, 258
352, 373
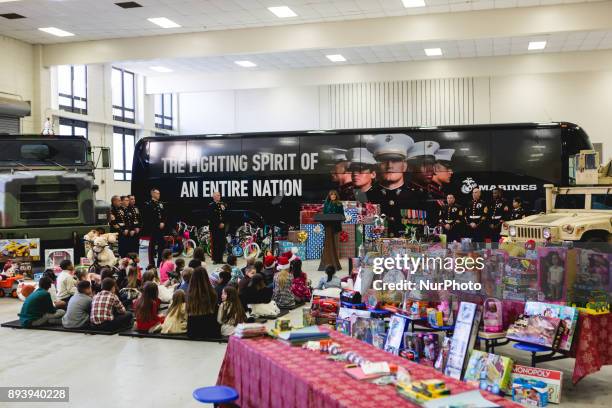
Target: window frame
72, 97
74, 123
123, 108
162, 115
122, 172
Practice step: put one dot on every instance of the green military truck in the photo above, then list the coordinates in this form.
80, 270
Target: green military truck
47, 191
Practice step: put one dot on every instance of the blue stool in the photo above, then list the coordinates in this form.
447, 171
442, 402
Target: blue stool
533, 349
218, 394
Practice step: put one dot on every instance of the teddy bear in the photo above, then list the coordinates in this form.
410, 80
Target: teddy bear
111, 238
101, 252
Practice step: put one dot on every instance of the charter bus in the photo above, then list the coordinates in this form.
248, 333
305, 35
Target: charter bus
270, 175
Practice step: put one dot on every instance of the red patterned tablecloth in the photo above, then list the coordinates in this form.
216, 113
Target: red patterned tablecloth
268, 373
593, 344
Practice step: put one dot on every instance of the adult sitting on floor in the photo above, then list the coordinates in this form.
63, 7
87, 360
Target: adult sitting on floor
202, 307
79, 307
38, 308
107, 311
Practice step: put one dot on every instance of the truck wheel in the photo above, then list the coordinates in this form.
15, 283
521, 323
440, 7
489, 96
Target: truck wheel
597, 237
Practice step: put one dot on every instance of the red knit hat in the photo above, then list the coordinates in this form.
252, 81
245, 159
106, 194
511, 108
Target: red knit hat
283, 263
269, 261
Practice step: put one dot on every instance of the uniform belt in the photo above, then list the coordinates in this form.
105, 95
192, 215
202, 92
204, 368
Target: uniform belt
475, 216
496, 217
121, 224
449, 221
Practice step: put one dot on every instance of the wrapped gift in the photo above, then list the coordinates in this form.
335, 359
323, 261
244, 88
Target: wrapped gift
292, 236
367, 212
307, 216
314, 243
347, 247
351, 215
350, 204
285, 246
392, 246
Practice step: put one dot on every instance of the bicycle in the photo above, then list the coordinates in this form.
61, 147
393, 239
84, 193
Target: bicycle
203, 235
182, 244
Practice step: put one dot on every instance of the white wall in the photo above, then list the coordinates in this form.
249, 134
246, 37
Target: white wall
17, 75
582, 98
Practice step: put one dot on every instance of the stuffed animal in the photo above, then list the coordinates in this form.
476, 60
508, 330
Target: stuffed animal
101, 252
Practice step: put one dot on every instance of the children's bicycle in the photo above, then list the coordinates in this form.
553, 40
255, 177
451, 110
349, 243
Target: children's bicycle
182, 244
203, 235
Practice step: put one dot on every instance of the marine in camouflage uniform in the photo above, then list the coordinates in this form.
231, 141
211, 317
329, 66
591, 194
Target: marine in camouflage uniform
117, 221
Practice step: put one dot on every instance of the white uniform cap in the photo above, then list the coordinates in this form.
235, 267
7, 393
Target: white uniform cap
424, 148
360, 155
390, 146
444, 154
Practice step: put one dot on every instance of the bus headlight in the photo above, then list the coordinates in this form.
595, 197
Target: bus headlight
568, 228
512, 231
546, 233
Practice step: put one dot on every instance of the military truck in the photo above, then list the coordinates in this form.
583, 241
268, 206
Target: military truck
47, 191
581, 213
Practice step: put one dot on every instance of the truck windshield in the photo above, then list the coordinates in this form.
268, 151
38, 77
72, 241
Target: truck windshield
43, 152
569, 202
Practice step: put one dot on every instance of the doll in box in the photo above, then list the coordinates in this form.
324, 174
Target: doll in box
553, 271
493, 316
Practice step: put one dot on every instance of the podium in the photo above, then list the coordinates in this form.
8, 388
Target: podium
331, 246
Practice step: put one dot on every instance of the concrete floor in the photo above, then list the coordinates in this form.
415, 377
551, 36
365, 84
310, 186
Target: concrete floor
114, 371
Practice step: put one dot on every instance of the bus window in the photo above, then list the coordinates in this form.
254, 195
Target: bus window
569, 202
532, 152
601, 202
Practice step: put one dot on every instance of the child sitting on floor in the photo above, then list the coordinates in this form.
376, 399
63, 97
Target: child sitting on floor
237, 274
176, 320
329, 281
175, 276
230, 312
147, 307
167, 266
164, 291
131, 291
299, 284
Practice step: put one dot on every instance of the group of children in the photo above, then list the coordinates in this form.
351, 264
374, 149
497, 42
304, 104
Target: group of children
200, 305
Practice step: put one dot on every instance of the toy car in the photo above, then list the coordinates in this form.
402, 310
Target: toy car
8, 287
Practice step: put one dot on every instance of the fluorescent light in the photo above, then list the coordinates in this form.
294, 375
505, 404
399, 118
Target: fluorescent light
56, 32
464, 149
536, 45
163, 22
336, 58
537, 154
160, 69
538, 147
413, 3
245, 63
7, 1
282, 11
433, 52
287, 142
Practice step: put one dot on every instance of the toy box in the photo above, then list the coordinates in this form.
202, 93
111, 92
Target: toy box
568, 314
552, 273
552, 378
435, 317
520, 279
297, 248
397, 326
541, 330
493, 316
529, 392
489, 372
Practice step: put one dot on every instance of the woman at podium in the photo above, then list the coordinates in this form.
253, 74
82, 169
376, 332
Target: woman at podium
331, 247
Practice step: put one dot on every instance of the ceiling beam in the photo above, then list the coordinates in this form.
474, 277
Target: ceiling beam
510, 22
450, 68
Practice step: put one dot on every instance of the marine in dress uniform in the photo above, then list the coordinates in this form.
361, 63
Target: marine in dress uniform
421, 159
362, 166
392, 192
518, 212
217, 227
158, 222
450, 218
135, 225
341, 175
475, 216
499, 212
117, 221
